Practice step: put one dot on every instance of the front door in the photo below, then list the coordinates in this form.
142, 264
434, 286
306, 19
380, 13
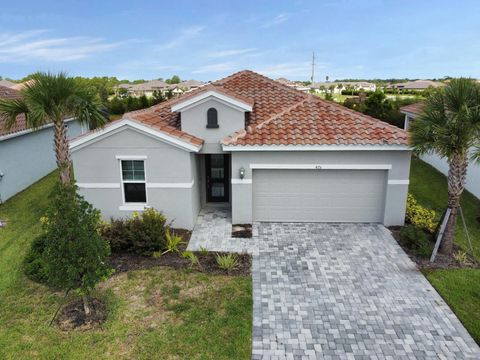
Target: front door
217, 177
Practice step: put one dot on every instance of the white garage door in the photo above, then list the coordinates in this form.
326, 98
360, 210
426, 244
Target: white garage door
319, 195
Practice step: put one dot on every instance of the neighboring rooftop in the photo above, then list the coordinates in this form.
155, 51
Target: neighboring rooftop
6, 83
20, 86
415, 109
281, 115
418, 85
21, 124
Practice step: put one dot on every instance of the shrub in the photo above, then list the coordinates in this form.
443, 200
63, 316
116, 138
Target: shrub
203, 251
227, 261
141, 235
172, 242
420, 216
74, 253
192, 257
416, 240
34, 264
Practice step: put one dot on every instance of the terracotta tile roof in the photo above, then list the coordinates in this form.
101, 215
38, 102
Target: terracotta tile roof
21, 123
415, 109
281, 115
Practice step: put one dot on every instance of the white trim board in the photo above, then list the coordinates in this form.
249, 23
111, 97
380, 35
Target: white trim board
128, 123
398, 182
316, 148
211, 94
241, 181
131, 157
322, 166
30, 130
133, 207
99, 185
148, 185
170, 185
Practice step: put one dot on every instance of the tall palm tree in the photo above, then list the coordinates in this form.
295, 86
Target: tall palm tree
53, 98
450, 127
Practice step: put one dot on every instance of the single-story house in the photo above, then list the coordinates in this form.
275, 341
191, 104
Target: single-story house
271, 152
473, 174
148, 88
26, 155
417, 85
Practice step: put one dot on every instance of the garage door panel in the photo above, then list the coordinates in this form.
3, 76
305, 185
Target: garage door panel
319, 195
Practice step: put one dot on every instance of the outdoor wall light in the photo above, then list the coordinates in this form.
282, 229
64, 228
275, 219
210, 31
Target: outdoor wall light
242, 172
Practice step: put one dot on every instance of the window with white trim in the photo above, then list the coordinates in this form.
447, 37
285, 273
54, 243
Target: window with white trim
133, 181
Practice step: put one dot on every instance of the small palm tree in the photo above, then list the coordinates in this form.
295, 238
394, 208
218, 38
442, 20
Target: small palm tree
450, 127
52, 98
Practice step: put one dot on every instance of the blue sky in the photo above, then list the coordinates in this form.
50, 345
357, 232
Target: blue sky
207, 40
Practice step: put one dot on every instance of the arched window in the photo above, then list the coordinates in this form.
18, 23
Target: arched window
212, 118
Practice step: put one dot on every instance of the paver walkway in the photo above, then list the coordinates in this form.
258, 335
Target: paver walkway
213, 231
337, 291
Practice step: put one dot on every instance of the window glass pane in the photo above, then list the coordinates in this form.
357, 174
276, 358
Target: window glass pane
127, 165
127, 175
133, 170
135, 193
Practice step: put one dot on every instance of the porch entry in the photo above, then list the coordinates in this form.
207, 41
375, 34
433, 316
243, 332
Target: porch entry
217, 176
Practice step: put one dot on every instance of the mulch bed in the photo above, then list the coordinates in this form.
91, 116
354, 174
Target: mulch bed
242, 231
441, 261
72, 316
208, 264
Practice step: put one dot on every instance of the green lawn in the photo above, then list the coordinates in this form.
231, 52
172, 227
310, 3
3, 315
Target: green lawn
156, 313
460, 288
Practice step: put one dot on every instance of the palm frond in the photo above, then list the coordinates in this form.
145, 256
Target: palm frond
11, 109
450, 122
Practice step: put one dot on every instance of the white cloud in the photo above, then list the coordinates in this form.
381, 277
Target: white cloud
232, 52
212, 68
276, 20
185, 35
30, 45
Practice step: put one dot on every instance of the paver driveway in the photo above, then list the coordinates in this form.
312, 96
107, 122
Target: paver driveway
346, 291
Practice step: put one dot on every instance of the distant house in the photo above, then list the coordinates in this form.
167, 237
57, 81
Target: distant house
297, 85
338, 86
473, 174
185, 86
417, 85
6, 83
148, 88
26, 155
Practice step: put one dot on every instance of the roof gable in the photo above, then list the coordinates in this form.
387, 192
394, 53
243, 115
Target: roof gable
216, 94
119, 125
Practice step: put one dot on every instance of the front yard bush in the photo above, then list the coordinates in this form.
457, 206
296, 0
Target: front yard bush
34, 263
419, 216
416, 240
141, 234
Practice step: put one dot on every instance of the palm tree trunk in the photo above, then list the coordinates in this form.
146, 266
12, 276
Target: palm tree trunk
62, 151
457, 174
